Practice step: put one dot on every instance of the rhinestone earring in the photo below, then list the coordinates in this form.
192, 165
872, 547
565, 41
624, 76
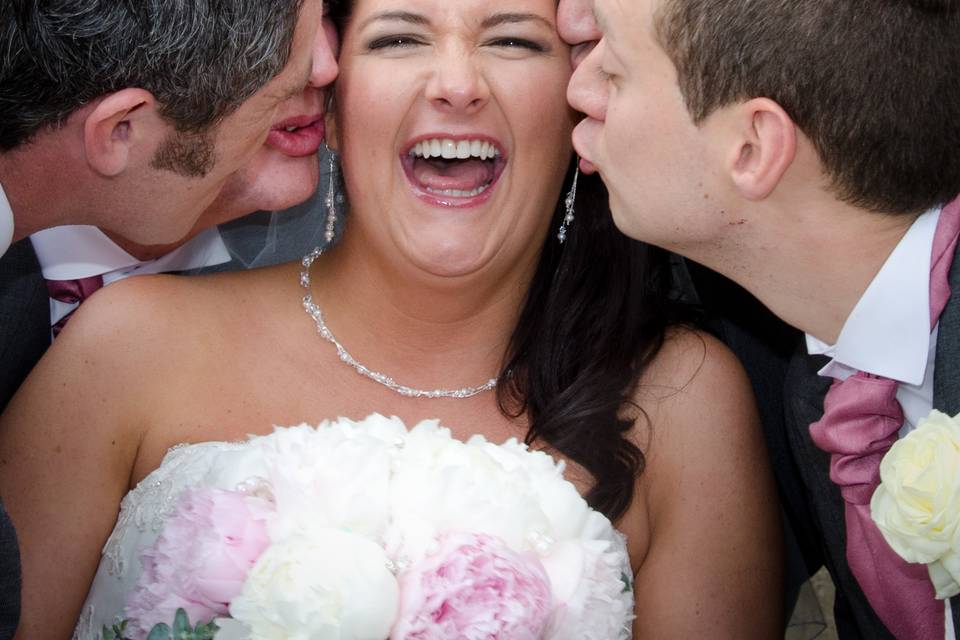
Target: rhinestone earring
332, 198
568, 204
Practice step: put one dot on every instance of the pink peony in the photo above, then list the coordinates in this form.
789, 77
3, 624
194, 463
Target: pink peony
473, 587
201, 558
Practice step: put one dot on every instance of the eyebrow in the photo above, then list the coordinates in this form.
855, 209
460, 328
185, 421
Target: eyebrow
498, 19
398, 16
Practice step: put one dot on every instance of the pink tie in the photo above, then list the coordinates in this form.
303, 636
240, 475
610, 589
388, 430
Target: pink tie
861, 421
71, 292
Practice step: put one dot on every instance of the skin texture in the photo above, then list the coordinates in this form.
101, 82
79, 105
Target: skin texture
426, 293
99, 168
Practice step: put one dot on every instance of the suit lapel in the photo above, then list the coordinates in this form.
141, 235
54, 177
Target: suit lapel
24, 317
946, 376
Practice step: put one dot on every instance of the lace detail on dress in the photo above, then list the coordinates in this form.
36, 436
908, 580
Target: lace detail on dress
84, 629
147, 506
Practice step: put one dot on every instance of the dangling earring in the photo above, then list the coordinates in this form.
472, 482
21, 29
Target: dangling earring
568, 204
332, 198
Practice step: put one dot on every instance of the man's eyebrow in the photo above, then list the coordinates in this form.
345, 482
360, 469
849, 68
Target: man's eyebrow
498, 19
396, 16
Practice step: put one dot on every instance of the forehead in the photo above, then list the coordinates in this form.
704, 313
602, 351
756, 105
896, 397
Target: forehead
438, 10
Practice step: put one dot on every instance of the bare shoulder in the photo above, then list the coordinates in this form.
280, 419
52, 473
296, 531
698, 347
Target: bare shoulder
705, 463
162, 311
695, 386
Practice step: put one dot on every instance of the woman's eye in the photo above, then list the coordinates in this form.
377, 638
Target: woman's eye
394, 42
521, 43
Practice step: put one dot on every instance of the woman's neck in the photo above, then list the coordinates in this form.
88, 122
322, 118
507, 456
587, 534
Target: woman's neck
424, 330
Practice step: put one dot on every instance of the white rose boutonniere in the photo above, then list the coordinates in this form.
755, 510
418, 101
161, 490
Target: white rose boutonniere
917, 505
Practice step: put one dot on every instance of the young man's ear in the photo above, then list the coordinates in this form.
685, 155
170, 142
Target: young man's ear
765, 147
118, 126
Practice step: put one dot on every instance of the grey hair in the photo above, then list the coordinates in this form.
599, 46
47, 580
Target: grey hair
200, 59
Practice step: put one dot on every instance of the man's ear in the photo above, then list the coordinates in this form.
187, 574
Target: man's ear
766, 145
116, 129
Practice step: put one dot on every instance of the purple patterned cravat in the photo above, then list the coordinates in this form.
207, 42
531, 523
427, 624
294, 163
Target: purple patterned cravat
71, 292
861, 420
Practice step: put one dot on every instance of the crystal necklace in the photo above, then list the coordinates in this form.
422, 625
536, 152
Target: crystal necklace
314, 311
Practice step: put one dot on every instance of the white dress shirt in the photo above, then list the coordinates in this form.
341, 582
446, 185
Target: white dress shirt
6, 222
888, 332
79, 251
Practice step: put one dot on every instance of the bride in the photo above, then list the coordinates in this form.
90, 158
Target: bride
449, 274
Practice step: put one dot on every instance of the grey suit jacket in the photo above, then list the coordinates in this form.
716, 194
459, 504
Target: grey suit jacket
24, 336
804, 405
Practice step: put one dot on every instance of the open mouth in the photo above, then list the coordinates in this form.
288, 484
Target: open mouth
454, 171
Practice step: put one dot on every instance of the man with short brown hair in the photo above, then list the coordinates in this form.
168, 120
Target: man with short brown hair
808, 150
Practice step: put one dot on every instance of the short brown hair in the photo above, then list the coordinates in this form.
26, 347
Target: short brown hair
874, 84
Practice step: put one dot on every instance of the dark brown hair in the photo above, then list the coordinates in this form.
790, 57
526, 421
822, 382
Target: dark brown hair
872, 83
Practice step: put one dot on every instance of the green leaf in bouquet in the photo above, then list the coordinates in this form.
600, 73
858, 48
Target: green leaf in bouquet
205, 631
627, 582
116, 632
160, 631
181, 626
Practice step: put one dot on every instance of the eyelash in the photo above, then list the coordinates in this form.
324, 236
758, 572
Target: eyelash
393, 42
402, 41
519, 42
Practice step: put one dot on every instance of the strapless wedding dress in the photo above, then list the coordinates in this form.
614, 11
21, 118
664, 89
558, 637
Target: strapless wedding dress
217, 465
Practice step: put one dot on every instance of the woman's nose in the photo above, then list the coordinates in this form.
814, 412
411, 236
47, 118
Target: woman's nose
458, 83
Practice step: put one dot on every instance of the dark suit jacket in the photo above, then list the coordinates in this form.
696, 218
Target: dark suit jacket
804, 404
25, 333
24, 336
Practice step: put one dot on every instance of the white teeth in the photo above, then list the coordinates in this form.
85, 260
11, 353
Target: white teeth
450, 149
291, 129
457, 193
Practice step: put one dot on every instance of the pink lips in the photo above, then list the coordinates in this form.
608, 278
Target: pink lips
304, 137
449, 201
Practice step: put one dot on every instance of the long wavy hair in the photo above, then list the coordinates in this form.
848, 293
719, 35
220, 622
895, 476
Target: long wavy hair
595, 316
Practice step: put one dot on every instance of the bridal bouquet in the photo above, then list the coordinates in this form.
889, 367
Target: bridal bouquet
365, 530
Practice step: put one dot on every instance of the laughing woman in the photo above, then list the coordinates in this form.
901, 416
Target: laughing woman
449, 296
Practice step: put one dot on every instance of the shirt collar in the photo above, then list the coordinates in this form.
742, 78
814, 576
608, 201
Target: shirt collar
6, 222
888, 331
80, 251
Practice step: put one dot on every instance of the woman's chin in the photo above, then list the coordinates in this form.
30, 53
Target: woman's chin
448, 260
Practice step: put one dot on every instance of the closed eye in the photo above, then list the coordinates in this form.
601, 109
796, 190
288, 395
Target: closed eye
522, 43
399, 41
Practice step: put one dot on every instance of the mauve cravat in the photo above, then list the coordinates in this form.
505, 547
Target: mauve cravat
71, 292
861, 421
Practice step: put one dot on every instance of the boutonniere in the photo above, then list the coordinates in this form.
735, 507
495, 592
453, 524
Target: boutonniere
917, 505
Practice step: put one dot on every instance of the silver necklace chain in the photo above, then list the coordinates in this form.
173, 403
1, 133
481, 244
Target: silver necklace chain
314, 311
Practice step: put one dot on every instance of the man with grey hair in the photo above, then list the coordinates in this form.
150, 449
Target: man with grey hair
151, 121
808, 150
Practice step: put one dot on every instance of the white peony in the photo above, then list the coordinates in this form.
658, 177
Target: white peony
592, 585
442, 485
331, 586
917, 505
335, 476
